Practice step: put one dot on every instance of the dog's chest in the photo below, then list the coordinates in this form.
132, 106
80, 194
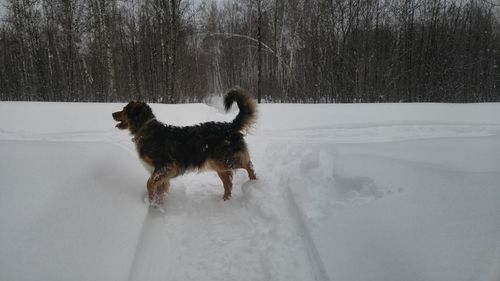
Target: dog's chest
148, 166
146, 161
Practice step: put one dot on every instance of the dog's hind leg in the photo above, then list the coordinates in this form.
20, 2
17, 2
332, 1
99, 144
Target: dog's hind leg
227, 181
245, 163
250, 170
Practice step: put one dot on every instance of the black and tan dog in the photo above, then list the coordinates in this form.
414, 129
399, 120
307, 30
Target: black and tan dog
170, 151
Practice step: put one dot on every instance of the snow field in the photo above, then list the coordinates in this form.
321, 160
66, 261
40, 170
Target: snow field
344, 192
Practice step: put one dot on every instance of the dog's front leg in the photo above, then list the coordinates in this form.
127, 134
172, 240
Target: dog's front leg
227, 178
159, 182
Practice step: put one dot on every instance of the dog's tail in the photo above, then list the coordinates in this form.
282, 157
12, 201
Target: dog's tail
248, 109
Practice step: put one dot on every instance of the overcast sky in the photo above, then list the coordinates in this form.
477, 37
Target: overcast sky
2, 8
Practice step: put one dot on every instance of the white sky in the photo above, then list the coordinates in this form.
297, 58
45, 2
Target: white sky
2, 8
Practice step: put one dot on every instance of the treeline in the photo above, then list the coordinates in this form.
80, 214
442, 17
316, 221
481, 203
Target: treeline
282, 50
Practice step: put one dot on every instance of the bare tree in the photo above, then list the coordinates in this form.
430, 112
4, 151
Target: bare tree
283, 51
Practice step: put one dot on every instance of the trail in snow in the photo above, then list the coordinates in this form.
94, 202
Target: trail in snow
200, 237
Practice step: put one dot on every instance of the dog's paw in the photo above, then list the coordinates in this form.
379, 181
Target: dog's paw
158, 199
156, 203
156, 206
145, 197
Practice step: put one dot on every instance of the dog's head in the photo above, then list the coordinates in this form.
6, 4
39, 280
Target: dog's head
133, 115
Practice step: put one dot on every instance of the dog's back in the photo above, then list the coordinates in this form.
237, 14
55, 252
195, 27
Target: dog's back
192, 146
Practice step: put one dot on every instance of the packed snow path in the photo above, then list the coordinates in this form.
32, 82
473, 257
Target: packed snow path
344, 192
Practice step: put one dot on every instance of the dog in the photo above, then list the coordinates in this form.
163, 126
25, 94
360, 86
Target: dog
169, 151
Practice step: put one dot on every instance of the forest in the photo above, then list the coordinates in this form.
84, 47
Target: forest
299, 51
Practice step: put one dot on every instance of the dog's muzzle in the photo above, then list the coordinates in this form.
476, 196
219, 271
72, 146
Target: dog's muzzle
118, 116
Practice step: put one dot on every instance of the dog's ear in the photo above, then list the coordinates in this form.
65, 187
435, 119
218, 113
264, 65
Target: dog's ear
136, 112
133, 111
140, 111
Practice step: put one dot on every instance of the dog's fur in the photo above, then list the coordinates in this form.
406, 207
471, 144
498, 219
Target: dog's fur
171, 151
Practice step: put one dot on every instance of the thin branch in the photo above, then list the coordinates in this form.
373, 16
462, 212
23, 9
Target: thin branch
241, 36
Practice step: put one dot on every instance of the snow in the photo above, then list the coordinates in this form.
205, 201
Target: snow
344, 192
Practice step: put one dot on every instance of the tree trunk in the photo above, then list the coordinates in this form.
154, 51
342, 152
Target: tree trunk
259, 51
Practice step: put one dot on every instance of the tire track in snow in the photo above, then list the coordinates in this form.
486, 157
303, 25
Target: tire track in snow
151, 249
104, 136
312, 252
359, 133
138, 247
